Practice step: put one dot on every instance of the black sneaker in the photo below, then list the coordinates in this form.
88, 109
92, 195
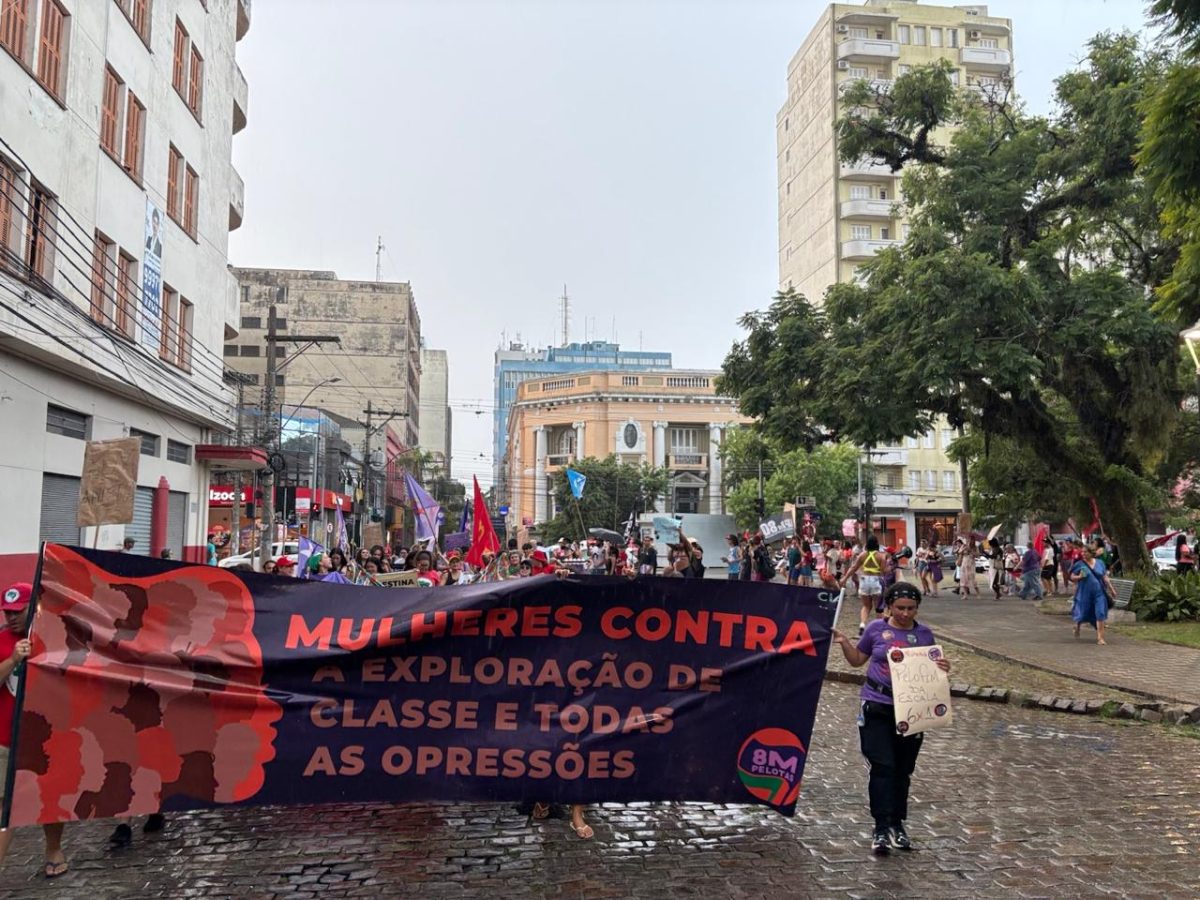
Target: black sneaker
900, 838
155, 822
880, 844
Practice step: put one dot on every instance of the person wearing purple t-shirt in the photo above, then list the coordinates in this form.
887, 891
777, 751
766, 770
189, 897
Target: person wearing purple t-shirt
892, 756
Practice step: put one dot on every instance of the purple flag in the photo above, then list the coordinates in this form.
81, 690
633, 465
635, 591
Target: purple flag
343, 538
425, 509
458, 540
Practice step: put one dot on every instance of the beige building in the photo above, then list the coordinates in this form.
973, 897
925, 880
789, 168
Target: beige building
835, 216
379, 356
435, 406
673, 420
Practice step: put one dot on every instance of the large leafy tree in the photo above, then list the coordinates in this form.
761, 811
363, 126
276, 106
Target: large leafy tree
1170, 156
1020, 303
828, 473
613, 490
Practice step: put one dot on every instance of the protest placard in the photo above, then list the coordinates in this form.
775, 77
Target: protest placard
920, 690
109, 481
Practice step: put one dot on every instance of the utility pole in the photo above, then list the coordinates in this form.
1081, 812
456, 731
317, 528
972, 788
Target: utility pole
272, 422
367, 432
962, 477
379, 260
235, 513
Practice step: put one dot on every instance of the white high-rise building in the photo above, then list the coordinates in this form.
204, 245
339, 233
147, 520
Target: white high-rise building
117, 196
436, 418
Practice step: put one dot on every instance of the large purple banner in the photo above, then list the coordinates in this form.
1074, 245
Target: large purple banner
154, 684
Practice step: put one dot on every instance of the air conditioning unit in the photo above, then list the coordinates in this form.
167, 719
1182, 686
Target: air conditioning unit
843, 29
843, 65
973, 35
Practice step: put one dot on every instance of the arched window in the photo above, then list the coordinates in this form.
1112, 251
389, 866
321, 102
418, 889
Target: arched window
566, 442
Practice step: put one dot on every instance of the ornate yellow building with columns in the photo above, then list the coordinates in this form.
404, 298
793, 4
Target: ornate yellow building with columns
673, 420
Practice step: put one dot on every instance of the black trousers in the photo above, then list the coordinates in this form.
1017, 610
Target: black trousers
893, 758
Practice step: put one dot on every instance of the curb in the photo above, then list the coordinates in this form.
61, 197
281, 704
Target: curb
1148, 711
1001, 657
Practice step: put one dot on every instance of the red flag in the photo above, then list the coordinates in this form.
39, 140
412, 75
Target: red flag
483, 535
1096, 527
1039, 542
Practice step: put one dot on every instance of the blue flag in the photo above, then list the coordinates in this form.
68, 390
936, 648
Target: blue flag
426, 510
577, 480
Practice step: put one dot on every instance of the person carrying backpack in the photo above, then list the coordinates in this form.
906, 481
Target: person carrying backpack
764, 568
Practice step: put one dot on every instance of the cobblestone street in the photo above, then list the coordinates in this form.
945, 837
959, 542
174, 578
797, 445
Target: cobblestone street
1009, 803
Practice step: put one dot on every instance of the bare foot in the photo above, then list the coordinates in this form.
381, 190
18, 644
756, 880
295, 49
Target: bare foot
1077, 630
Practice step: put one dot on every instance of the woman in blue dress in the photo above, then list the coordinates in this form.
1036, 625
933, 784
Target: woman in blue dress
1092, 592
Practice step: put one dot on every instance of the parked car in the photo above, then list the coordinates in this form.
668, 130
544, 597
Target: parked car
289, 548
1164, 558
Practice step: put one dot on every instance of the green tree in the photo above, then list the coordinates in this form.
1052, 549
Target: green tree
1170, 157
1018, 305
613, 490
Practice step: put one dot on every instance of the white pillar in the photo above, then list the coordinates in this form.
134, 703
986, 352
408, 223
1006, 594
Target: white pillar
660, 458
539, 475
716, 500
579, 435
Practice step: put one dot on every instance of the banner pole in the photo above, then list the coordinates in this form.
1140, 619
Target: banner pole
582, 527
10, 776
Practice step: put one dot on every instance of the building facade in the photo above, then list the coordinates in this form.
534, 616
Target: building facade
518, 363
834, 216
436, 419
378, 358
117, 196
673, 420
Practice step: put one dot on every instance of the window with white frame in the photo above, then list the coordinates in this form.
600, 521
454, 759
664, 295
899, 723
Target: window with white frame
860, 232
858, 72
935, 37
989, 43
914, 479
860, 192
918, 35
948, 481
927, 440
685, 440
931, 479
951, 37
565, 445
947, 437
912, 443
902, 33
857, 31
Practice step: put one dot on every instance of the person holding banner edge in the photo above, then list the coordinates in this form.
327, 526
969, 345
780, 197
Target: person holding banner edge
15, 648
892, 756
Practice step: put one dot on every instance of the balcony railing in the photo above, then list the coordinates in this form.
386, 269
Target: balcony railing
891, 457
879, 85
868, 48
867, 209
687, 461
237, 199
890, 500
866, 169
241, 99
558, 460
986, 57
865, 249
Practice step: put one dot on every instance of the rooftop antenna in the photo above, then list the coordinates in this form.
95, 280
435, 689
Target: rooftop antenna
379, 260
566, 315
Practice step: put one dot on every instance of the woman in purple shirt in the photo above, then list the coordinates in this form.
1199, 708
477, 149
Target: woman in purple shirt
892, 756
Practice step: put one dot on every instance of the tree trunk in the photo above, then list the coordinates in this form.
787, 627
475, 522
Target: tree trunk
1123, 522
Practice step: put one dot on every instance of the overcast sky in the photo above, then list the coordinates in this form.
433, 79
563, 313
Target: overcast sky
504, 147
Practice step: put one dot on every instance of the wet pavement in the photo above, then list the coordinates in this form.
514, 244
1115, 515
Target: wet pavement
1007, 803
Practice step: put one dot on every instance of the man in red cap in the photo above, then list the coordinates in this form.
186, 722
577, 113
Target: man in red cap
14, 650
285, 566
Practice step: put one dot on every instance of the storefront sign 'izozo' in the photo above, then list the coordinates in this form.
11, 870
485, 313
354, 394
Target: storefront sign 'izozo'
157, 685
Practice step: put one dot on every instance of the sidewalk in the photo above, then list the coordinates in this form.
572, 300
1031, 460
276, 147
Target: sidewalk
1014, 629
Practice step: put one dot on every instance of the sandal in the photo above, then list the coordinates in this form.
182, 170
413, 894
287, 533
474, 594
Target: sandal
53, 869
541, 811
584, 831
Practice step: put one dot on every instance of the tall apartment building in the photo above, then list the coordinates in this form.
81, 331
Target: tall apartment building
378, 359
834, 216
518, 363
117, 196
436, 420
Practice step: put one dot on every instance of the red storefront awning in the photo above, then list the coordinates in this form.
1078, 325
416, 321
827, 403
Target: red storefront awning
226, 458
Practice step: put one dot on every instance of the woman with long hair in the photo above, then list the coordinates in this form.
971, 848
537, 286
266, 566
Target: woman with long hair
870, 585
1185, 557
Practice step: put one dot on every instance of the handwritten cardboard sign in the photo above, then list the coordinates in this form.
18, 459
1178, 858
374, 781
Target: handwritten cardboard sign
920, 689
109, 481
372, 534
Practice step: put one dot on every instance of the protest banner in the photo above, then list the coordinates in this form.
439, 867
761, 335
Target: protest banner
920, 690
777, 528
108, 482
194, 686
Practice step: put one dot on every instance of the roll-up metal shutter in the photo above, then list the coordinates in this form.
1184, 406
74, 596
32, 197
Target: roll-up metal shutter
60, 509
177, 502
139, 529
